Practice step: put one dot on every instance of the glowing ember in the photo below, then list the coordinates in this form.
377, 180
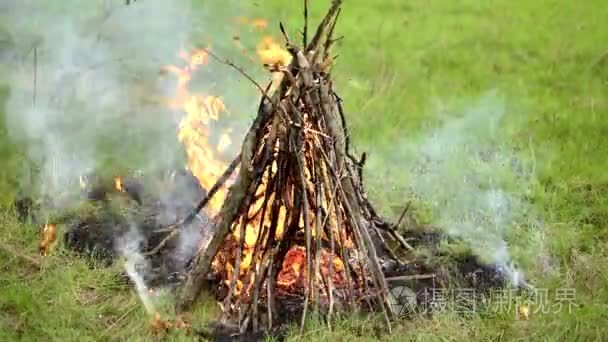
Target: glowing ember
293, 272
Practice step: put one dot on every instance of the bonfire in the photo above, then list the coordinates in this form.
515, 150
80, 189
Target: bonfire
289, 228
296, 220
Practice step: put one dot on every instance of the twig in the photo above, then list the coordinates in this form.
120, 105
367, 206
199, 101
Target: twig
305, 31
307, 232
411, 277
285, 35
401, 240
214, 189
119, 319
335, 5
329, 42
162, 244
173, 229
407, 207
240, 70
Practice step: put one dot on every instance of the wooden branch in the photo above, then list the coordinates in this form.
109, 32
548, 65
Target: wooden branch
411, 277
209, 196
402, 216
241, 71
316, 39
229, 211
329, 40
305, 30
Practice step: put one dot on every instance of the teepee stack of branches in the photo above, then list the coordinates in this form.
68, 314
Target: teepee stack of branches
297, 184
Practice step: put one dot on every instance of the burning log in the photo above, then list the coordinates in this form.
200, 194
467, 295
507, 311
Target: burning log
297, 215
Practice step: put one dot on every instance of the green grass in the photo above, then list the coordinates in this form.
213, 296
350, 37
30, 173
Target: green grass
405, 69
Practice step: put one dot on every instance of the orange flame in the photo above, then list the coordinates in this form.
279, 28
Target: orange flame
48, 235
200, 110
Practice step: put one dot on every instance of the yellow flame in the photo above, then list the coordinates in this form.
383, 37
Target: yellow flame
48, 235
200, 110
203, 154
272, 53
118, 184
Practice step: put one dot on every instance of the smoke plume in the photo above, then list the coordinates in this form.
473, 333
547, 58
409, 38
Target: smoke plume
85, 88
473, 185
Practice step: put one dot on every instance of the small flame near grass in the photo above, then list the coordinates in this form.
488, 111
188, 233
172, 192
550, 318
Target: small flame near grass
48, 236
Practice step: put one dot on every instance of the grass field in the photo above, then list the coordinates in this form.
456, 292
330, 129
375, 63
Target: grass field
450, 80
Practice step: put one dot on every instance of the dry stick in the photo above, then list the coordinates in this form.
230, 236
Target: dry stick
360, 233
338, 152
329, 40
331, 237
330, 275
318, 227
402, 216
230, 210
246, 208
260, 267
241, 71
262, 229
239, 254
401, 240
285, 35
188, 219
312, 46
305, 31
252, 274
270, 290
306, 229
115, 323
327, 280
389, 250
347, 271
392, 230
345, 131
276, 207
338, 214
377, 276
412, 277
260, 277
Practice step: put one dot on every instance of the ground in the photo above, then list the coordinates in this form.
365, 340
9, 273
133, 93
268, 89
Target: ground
406, 71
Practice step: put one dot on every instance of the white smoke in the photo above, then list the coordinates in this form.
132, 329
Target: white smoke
86, 93
473, 184
136, 265
97, 98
